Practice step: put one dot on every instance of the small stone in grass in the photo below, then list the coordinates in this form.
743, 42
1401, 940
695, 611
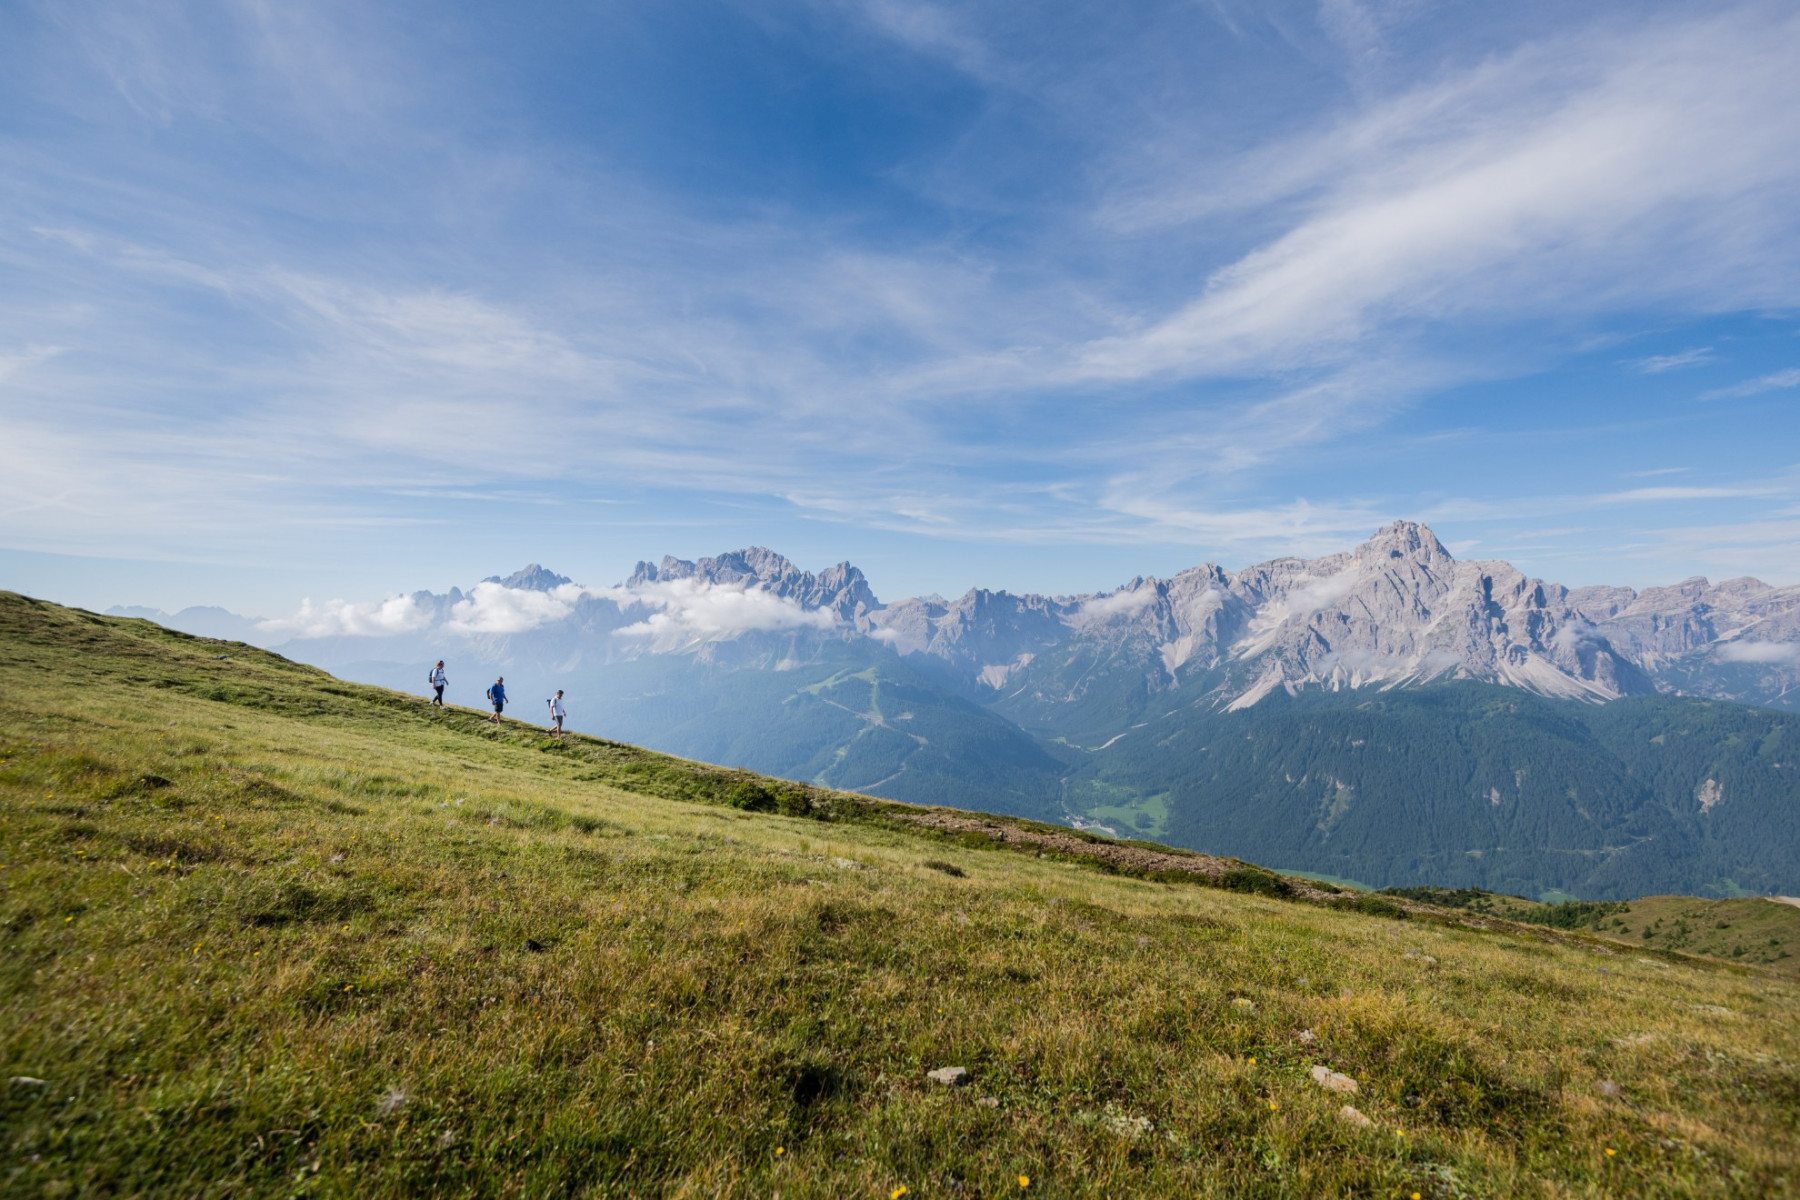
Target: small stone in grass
1608, 1088
533, 946
949, 1076
1305, 1037
989, 1102
1330, 1080
1350, 1114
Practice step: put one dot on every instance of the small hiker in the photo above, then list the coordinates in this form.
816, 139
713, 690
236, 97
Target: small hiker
438, 681
557, 713
497, 697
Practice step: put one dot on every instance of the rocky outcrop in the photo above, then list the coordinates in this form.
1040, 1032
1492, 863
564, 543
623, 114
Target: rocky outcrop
532, 578
841, 590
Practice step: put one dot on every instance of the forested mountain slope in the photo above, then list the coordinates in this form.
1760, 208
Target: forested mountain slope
1466, 785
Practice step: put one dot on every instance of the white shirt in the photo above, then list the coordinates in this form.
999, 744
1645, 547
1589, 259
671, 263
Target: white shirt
556, 708
438, 678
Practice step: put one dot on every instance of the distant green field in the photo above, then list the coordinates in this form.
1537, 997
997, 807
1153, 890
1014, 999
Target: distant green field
268, 933
1121, 809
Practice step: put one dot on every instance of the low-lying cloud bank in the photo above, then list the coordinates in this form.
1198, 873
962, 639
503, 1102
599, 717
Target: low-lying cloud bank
669, 614
1760, 652
494, 608
342, 618
687, 611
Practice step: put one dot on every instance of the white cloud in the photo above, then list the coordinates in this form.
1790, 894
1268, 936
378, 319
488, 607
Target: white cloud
1298, 528
12, 362
1657, 364
1656, 495
341, 618
1753, 387
677, 614
1759, 652
1567, 177
690, 612
1319, 594
492, 608
1124, 602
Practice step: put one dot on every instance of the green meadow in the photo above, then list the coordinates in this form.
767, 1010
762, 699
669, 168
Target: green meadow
268, 933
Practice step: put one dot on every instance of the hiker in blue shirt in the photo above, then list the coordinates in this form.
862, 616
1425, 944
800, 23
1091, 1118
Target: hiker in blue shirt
438, 681
497, 695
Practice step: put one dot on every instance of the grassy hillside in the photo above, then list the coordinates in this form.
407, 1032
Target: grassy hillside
265, 932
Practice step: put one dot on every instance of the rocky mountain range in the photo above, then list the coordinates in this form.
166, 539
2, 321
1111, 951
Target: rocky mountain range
1395, 611
1389, 713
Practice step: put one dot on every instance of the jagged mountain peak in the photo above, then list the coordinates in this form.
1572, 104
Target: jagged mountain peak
843, 589
1404, 539
530, 578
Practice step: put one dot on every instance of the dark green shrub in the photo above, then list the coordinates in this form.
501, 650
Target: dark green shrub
1249, 879
792, 802
1375, 906
751, 796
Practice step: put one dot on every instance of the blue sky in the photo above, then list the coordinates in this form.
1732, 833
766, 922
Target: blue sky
340, 299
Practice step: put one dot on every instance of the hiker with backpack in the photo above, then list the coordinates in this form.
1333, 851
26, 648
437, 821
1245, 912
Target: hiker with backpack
497, 697
438, 681
557, 713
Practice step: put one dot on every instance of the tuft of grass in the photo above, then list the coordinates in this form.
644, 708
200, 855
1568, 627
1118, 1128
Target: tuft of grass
356, 946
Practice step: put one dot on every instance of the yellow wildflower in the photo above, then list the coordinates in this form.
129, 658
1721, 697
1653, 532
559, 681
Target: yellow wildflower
1024, 1181
897, 1192
780, 1150
1610, 1152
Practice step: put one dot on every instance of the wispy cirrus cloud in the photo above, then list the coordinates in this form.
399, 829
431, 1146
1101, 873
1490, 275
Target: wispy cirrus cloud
1775, 381
1657, 364
1660, 495
1535, 182
1188, 276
